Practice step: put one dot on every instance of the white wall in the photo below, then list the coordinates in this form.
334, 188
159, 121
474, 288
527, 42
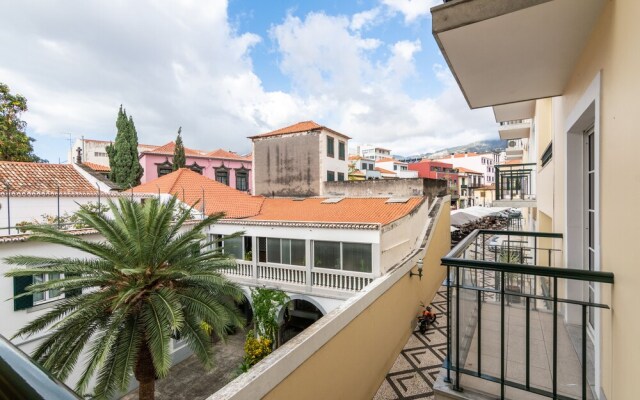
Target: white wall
334, 163
30, 208
474, 163
401, 237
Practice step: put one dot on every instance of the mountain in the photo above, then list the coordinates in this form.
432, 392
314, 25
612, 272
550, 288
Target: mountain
483, 146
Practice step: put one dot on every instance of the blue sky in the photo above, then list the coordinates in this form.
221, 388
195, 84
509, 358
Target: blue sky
225, 71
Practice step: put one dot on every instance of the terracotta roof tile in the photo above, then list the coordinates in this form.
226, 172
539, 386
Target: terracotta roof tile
170, 147
468, 171
355, 157
33, 179
303, 126
97, 167
230, 155
384, 171
188, 186
348, 210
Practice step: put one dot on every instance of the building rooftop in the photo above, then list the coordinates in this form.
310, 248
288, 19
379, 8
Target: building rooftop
384, 171
390, 159
188, 186
169, 149
345, 210
34, 179
468, 171
97, 167
303, 126
230, 155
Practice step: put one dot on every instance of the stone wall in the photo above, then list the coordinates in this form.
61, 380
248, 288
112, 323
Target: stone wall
430, 188
287, 166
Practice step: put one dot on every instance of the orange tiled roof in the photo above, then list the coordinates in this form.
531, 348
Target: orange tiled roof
188, 186
221, 153
33, 179
514, 161
355, 158
357, 173
384, 171
348, 210
303, 126
390, 159
170, 147
97, 167
468, 171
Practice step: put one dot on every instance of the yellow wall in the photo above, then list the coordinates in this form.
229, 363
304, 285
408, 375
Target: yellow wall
372, 340
614, 50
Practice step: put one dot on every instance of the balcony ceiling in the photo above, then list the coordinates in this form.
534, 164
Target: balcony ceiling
505, 51
515, 111
519, 131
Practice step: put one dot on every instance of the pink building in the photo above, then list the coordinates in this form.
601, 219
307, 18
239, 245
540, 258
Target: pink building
221, 165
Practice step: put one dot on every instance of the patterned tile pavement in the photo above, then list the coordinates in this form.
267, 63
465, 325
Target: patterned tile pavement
413, 374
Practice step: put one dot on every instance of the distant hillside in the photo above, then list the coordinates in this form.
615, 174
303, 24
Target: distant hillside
484, 146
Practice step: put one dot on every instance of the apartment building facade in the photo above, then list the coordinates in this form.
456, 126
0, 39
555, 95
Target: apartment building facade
476, 162
563, 84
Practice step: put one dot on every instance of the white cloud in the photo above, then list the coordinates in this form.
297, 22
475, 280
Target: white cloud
169, 63
364, 19
411, 9
348, 88
183, 64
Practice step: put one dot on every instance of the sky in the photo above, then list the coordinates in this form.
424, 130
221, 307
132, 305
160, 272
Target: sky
225, 70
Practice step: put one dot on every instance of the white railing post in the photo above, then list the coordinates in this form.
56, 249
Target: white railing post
309, 275
254, 257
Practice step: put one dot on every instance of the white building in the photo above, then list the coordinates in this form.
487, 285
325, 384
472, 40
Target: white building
484, 163
365, 166
95, 151
399, 168
374, 152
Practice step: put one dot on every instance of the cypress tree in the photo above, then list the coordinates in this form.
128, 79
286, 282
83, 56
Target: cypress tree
179, 158
126, 170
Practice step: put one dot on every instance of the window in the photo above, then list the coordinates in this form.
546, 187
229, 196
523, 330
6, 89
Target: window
330, 146
196, 168
331, 176
395, 167
282, 251
165, 168
242, 180
370, 167
49, 295
341, 150
100, 154
233, 247
340, 176
222, 176
345, 256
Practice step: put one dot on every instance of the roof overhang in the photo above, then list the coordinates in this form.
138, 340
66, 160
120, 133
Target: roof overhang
505, 51
515, 111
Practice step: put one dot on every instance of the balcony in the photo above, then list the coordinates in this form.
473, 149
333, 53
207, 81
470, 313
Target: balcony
301, 279
521, 325
515, 186
505, 51
518, 129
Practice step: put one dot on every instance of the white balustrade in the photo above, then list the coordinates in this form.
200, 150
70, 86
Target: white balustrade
283, 273
243, 269
341, 280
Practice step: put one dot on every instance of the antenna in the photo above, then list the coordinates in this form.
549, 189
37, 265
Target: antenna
69, 160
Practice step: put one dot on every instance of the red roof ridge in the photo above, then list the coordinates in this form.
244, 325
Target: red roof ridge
299, 127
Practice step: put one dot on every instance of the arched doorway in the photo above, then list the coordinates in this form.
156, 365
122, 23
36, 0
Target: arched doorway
246, 310
296, 316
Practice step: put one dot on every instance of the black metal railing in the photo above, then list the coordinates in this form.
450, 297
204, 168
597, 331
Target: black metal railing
21, 378
515, 181
513, 313
547, 155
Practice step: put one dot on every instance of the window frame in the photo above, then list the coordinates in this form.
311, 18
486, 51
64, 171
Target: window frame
331, 174
342, 150
331, 150
47, 295
341, 267
280, 240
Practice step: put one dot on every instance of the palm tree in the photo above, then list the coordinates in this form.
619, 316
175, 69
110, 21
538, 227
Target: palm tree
150, 279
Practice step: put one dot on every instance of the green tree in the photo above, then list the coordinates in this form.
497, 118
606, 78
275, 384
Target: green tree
15, 145
179, 158
126, 170
266, 303
148, 280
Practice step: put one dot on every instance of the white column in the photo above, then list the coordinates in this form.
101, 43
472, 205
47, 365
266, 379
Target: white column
254, 256
307, 245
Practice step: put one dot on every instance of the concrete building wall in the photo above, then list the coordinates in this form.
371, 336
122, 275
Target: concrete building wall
288, 165
389, 187
611, 61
